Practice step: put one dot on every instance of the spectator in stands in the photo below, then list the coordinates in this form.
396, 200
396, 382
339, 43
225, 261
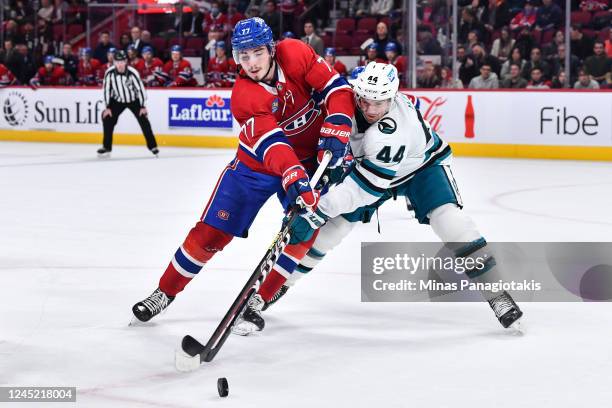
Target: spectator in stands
502, 46
371, 55
71, 62
481, 57
608, 44
137, 42
22, 12
469, 22
104, 67
514, 79
381, 38
380, 7
550, 51
580, 45
447, 81
253, 12
558, 63
525, 41
214, 17
496, 15
560, 81
537, 61
11, 30
524, 19
150, 68
548, 16
59, 11
312, 39
177, 72
45, 12
6, 77
537, 80
486, 80
220, 72
50, 74
330, 58
585, 81
132, 56
25, 66
427, 44
87, 72
146, 38
360, 8
9, 55
468, 69
429, 79
472, 39
272, 17
102, 48
598, 66
124, 41
191, 22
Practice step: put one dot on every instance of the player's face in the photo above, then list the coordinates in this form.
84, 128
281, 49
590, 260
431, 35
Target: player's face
176, 56
147, 56
255, 62
373, 110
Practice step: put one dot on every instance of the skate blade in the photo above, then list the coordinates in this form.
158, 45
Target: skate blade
244, 328
185, 363
517, 328
104, 155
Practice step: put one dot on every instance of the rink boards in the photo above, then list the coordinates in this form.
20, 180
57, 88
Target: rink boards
528, 124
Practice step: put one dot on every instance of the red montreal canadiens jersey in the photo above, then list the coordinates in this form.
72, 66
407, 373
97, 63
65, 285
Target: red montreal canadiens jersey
149, 73
219, 71
340, 67
57, 76
288, 112
6, 77
180, 73
87, 72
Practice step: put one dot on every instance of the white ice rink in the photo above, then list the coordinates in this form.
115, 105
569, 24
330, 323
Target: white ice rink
83, 239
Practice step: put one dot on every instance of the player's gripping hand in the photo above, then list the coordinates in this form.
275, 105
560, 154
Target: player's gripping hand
305, 225
335, 133
297, 186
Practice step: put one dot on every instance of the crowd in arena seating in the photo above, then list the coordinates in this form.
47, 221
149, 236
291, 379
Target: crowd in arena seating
501, 43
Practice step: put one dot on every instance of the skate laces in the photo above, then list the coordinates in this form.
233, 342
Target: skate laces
502, 304
156, 302
256, 302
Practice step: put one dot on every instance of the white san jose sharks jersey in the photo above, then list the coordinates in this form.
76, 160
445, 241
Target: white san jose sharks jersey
387, 154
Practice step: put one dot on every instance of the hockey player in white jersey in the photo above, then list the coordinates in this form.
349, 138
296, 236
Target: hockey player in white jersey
397, 153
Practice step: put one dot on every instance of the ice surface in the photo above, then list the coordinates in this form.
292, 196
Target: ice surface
83, 239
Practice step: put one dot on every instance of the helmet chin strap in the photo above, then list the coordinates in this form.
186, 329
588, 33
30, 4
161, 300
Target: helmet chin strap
272, 65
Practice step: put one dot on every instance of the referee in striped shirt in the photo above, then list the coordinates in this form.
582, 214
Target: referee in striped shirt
123, 89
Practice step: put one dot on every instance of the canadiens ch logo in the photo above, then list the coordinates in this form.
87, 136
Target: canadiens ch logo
301, 120
224, 215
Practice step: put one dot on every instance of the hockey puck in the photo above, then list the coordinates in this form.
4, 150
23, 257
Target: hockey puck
222, 387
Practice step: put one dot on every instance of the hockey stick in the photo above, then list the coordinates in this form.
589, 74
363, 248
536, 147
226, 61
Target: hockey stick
193, 347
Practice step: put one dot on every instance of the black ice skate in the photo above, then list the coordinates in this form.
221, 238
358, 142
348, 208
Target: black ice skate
506, 310
279, 294
151, 306
155, 151
103, 153
250, 320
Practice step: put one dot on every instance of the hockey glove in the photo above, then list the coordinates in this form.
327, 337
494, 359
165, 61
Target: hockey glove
305, 225
335, 133
297, 186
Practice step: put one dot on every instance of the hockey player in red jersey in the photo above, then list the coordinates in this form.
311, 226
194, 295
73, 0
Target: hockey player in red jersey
291, 107
133, 58
220, 71
391, 52
110, 55
50, 74
177, 71
6, 76
87, 72
150, 68
330, 57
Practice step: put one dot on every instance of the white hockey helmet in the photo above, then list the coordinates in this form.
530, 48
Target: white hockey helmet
378, 82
